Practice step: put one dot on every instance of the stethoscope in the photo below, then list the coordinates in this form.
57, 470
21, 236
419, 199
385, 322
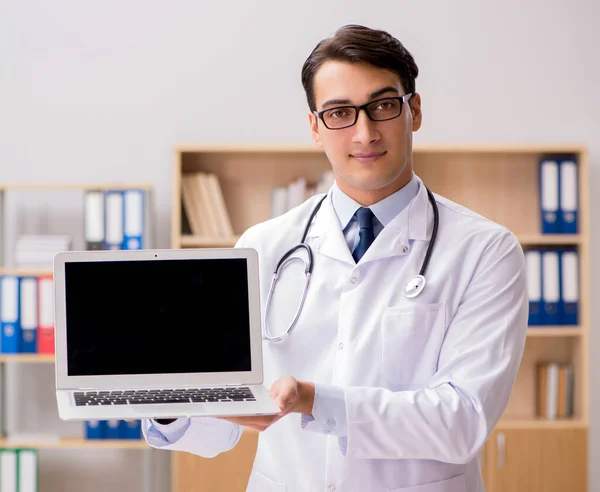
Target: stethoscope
413, 288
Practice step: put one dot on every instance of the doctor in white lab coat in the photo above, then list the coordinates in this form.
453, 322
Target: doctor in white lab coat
379, 392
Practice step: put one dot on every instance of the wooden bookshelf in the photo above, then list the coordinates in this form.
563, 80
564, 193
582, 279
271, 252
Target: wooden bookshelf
499, 182
15, 195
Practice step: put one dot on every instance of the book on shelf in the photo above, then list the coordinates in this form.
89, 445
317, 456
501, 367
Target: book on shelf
554, 390
285, 198
204, 205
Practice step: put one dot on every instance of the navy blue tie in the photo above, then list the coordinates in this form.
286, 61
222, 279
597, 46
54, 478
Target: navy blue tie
366, 236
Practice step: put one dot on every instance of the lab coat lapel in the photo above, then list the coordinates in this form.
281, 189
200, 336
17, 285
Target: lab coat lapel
414, 223
326, 234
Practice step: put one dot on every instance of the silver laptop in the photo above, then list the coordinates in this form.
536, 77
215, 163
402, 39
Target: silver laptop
158, 333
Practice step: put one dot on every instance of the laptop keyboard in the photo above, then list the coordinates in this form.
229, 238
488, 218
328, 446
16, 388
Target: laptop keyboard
145, 397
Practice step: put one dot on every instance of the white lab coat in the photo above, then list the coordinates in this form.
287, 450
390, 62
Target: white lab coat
425, 379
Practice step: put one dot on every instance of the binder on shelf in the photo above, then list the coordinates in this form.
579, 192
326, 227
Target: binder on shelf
29, 315
133, 223
533, 260
549, 196
94, 219
130, 430
10, 323
45, 314
28, 470
8, 470
569, 391
111, 428
569, 197
550, 287
568, 307
114, 219
554, 390
94, 429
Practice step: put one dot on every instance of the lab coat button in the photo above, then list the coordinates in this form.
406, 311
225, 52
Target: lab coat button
353, 280
318, 247
331, 488
404, 249
341, 346
331, 423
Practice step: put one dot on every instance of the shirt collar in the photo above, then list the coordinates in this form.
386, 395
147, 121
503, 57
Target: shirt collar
385, 210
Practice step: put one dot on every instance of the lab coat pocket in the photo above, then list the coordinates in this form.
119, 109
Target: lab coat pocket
456, 484
411, 341
260, 483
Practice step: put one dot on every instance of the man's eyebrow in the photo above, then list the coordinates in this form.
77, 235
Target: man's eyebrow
373, 95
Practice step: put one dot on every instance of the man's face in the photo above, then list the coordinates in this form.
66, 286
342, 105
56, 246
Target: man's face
372, 159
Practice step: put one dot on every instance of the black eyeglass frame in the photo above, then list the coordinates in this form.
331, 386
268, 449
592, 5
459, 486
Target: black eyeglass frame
403, 99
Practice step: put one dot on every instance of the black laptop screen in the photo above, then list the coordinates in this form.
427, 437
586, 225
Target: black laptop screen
157, 317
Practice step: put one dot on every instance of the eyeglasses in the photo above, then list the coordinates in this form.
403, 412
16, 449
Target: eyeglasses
379, 110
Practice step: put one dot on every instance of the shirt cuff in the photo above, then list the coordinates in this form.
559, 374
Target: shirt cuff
160, 435
328, 413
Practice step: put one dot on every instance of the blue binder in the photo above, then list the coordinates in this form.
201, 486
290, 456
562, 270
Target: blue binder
111, 429
533, 260
28, 291
131, 430
550, 287
568, 309
94, 429
10, 323
133, 219
569, 197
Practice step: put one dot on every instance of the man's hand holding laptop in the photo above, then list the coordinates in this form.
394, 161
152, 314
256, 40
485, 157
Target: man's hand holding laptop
290, 395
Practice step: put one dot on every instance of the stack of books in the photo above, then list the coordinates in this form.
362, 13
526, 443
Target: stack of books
37, 251
204, 205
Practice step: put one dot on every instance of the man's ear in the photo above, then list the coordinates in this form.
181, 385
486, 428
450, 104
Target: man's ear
415, 109
314, 129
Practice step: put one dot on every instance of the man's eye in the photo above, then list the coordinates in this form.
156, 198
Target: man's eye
339, 113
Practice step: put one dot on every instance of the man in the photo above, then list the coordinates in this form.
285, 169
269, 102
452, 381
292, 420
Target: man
378, 390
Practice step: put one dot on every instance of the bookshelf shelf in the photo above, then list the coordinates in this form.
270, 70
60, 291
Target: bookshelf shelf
512, 424
550, 239
27, 358
26, 271
74, 186
188, 241
75, 444
554, 331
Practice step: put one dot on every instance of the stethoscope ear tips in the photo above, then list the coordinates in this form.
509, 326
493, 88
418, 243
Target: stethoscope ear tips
415, 286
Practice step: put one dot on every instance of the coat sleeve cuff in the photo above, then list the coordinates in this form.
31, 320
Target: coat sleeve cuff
328, 413
158, 435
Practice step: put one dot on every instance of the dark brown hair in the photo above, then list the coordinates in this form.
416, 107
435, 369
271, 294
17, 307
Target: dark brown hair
360, 44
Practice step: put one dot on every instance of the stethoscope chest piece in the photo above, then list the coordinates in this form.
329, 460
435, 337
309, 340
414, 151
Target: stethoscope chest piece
415, 286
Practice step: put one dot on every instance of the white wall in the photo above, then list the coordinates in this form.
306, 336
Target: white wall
105, 90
